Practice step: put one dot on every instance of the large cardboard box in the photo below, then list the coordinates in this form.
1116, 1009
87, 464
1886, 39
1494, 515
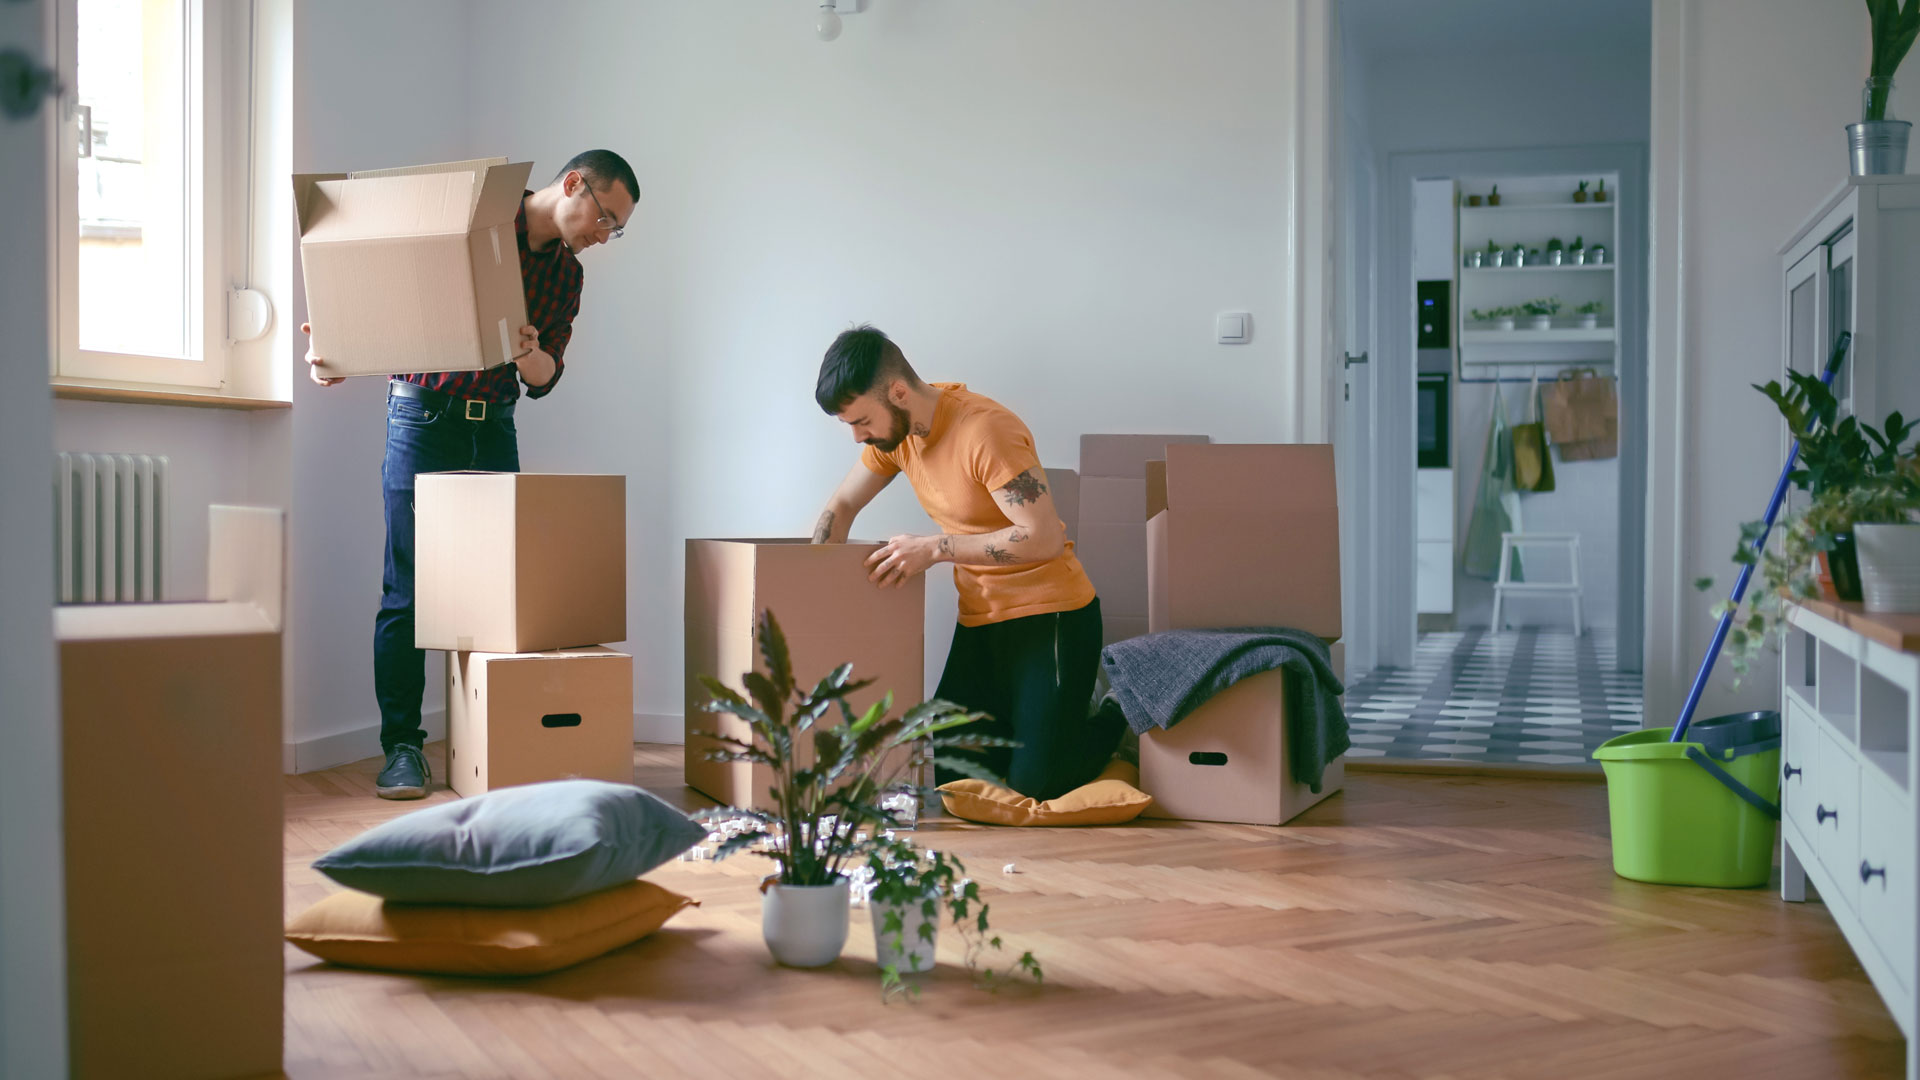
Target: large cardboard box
520, 718
1250, 537
170, 735
519, 562
1064, 485
1114, 486
413, 269
830, 614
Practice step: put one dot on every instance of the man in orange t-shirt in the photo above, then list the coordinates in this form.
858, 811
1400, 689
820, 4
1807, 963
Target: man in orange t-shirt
1028, 644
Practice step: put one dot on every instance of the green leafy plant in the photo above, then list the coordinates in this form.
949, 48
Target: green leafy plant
1591, 307
828, 808
1492, 247
1576, 245
907, 877
1553, 244
1545, 306
1494, 314
1855, 474
1893, 33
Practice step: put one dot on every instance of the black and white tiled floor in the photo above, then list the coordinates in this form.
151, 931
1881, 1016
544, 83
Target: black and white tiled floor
1526, 697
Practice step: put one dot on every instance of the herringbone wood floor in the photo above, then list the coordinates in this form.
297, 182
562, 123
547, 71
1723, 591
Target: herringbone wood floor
1413, 926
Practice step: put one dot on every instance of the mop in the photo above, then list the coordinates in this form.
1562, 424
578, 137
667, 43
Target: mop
1759, 545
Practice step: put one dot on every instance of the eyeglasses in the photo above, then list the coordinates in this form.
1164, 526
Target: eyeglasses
615, 230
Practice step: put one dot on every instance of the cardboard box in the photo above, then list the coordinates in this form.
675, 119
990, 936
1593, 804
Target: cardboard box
1113, 513
519, 562
414, 269
1250, 537
1064, 485
1156, 488
1228, 760
170, 733
520, 718
830, 614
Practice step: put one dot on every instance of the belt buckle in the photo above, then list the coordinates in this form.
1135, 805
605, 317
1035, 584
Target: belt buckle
476, 410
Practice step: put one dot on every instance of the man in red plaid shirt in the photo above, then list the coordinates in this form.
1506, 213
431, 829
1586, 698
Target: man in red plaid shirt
464, 420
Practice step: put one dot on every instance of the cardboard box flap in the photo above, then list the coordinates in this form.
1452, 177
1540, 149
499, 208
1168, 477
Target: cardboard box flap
471, 165
305, 187
496, 198
1289, 477
1126, 455
388, 208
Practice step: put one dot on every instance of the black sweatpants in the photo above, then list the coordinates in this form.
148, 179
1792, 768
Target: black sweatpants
1034, 677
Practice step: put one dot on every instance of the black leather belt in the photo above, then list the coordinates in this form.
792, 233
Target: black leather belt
465, 408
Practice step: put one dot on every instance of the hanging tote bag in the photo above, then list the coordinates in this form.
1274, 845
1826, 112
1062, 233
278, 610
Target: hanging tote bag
1532, 464
1583, 415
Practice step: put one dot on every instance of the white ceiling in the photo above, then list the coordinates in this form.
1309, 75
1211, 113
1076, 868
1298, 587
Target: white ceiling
1473, 29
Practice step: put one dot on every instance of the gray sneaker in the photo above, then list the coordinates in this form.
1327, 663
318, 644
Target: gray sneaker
406, 774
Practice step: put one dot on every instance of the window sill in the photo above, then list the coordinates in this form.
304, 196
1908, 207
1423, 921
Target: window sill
79, 390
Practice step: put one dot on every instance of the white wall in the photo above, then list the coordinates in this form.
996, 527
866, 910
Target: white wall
1744, 89
1048, 202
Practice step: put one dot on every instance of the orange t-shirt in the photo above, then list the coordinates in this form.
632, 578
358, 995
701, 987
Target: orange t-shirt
973, 448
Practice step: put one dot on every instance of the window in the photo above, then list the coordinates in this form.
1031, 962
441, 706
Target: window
137, 195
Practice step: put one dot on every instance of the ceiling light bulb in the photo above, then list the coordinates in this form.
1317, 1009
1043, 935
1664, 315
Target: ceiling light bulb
827, 23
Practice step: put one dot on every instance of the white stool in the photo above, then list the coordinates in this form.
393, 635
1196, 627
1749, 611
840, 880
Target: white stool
1513, 542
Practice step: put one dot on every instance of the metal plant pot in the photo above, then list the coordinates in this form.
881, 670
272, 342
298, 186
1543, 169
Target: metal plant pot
1878, 147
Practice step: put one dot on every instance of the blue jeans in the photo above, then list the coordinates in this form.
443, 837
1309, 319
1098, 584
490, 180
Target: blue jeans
419, 439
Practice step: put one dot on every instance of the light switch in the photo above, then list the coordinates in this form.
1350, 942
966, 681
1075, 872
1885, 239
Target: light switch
1234, 328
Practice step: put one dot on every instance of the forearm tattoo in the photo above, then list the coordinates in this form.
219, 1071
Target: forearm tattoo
1000, 554
946, 546
823, 529
1018, 535
1024, 489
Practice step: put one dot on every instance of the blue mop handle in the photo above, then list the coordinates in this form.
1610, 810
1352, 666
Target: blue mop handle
1759, 545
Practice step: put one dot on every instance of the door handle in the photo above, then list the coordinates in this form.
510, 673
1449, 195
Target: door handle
1867, 873
1348, 360
1821, 814
23, 82
1788, 772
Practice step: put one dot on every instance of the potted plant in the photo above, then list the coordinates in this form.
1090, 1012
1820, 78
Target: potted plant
1600, 190
910, 888
1473, 200
1589, 313
1542, 311
1493, 197
1495, 255
1555, 253
1501, 317
1518, 256
1857, 476
1577, 251
827, 808
1581, 194
1878, 143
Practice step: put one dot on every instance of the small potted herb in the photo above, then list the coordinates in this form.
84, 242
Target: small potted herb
1518, 256
1496, 257
911, 887
1493, 197
1600, 191
1555, 253
1542, 311
1577, 251
1581, 194
1473, 200
1589, 313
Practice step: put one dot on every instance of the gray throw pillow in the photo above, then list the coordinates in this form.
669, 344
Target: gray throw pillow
524, 846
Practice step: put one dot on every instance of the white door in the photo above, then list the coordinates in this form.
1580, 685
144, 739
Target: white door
1354, 414
33, 994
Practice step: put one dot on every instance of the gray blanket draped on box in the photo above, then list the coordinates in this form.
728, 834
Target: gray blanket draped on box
1156, 680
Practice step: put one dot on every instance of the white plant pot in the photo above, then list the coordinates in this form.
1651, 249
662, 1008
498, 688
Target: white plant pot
805, 925
1543, 322
1589, 322
1496, 259
915, 952
1504, 324
1579, 257
1889, 566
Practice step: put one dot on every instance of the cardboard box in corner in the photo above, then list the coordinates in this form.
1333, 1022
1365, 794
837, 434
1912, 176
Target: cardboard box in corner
413, 269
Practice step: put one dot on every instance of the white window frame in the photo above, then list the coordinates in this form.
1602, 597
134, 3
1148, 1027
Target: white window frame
206, 363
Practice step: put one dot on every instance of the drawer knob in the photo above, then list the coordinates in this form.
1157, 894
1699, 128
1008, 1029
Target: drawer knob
1821, 814
1867, 873
1788, 772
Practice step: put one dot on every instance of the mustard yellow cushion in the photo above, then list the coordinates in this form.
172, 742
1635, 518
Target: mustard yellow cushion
1110, 799
362, 930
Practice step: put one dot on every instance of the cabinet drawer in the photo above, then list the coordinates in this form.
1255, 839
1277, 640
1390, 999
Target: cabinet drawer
1836, 817
1886, 873
1800, 744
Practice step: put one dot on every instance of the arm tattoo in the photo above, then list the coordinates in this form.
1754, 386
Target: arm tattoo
823, 529
946, 546
1000, 555
1024, 489
1018, 535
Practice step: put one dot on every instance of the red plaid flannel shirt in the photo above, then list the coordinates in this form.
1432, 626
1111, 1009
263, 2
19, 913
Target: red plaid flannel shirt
552, 281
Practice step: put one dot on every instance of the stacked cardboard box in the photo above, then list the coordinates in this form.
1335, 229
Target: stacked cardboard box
1112, 533
519, 577
1064, 485
1247, 536
830, 615
170, 729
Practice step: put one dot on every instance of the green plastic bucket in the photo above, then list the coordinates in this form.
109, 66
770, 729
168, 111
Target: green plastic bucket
1700, 812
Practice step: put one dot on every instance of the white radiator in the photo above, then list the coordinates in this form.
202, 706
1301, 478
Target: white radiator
109, 528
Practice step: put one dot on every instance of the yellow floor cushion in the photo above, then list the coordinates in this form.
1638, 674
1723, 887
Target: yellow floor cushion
362, 930
1110, 799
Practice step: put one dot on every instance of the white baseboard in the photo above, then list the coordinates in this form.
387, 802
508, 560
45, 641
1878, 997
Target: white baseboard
341, 747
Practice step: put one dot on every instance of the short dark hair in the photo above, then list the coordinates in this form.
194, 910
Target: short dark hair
603, 169
859, 360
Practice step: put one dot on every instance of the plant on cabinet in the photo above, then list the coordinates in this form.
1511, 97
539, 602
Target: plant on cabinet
1581, 194
1542, 311
1589, 313
1600, 191
1493, 197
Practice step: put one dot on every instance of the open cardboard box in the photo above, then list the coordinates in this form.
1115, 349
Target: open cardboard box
1112, 538
1249, 536
830, 614
170, 735
413, 269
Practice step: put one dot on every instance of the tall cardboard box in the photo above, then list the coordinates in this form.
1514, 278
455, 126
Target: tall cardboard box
1228, 760
519, 562
413, 269
1249, 536
170, 737
1112, 540
1064, 485
830, 614
520, 718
